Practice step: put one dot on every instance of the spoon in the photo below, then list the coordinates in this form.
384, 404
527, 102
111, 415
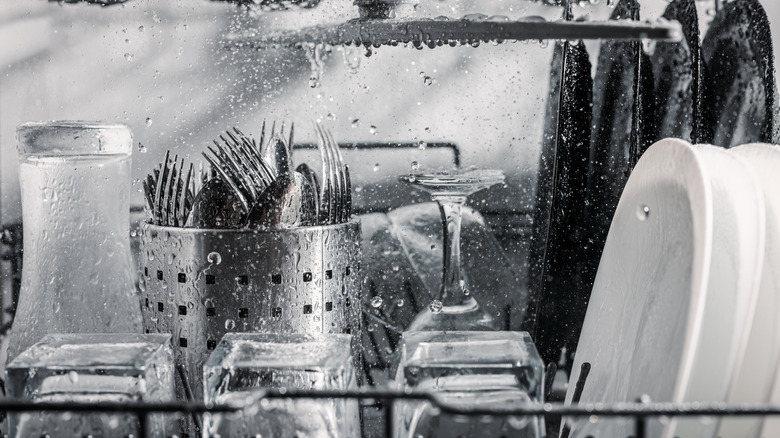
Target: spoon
216, 206
309, 174
277, 154
289, 202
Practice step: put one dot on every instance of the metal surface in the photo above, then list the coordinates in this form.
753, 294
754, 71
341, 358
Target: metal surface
200, 284
453, 32
335, 193
638, 411
289, 202
241, 166
169, 194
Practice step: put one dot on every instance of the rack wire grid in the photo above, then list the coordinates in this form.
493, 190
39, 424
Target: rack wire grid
640, 411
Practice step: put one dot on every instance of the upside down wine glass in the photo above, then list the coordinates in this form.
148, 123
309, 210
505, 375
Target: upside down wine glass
455, 308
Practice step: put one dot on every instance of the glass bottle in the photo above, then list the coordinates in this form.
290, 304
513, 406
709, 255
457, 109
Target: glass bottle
77, 274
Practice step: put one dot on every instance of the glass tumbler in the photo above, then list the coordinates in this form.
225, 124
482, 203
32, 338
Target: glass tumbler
77, 274
489, 370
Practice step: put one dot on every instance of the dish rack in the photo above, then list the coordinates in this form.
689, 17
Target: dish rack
381, 400
640, 412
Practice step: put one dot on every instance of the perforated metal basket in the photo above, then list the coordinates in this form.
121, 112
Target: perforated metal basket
200, 284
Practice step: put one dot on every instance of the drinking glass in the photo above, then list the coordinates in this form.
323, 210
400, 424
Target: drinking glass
245, 363
494, 370
110, 367
78, 274
455, 308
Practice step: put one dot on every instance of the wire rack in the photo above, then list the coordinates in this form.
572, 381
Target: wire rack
640, 411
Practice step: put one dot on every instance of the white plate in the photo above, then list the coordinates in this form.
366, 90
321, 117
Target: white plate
672, 294
645, 309
733, 284
757, 378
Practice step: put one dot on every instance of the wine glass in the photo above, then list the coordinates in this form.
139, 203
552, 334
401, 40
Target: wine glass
455, 308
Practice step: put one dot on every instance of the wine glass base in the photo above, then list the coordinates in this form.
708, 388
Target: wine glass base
468, 317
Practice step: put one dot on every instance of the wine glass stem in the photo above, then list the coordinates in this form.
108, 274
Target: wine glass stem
452, 290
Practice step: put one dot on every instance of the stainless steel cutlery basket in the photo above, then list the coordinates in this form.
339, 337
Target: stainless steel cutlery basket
200, 284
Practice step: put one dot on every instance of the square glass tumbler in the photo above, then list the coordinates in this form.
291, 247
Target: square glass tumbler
493, 370
245, 363
116, 367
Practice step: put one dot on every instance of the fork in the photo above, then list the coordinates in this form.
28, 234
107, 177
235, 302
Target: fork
335, 193
238, 162
169, 198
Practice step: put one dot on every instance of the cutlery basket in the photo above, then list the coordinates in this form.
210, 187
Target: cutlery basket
200, 284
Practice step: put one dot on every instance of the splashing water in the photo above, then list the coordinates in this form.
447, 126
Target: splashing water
315, 53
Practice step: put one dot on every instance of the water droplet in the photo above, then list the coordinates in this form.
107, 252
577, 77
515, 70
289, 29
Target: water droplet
376, 302
642, 212
376, 167
399, 302
422, 145
164, 284
148, 121
415, 166
372, 130
230, 324
427, 129
435, 306
428, 81
141, 28
351, 59
331, 116
355, 122
73, 377
128, 57
214, 257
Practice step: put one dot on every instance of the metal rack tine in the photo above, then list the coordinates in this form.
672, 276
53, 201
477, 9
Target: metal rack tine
549, 378
575, 399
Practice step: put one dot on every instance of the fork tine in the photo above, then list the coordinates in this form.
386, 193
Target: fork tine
178, 202
159, 189
229, 165
326, 205
186, 198
250, 149
240, 146
167, 188
228, 180
339, 164
240, 168
336, 178
149, 193
290, 143
173, 187
262, 140
348, 194
268, 173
